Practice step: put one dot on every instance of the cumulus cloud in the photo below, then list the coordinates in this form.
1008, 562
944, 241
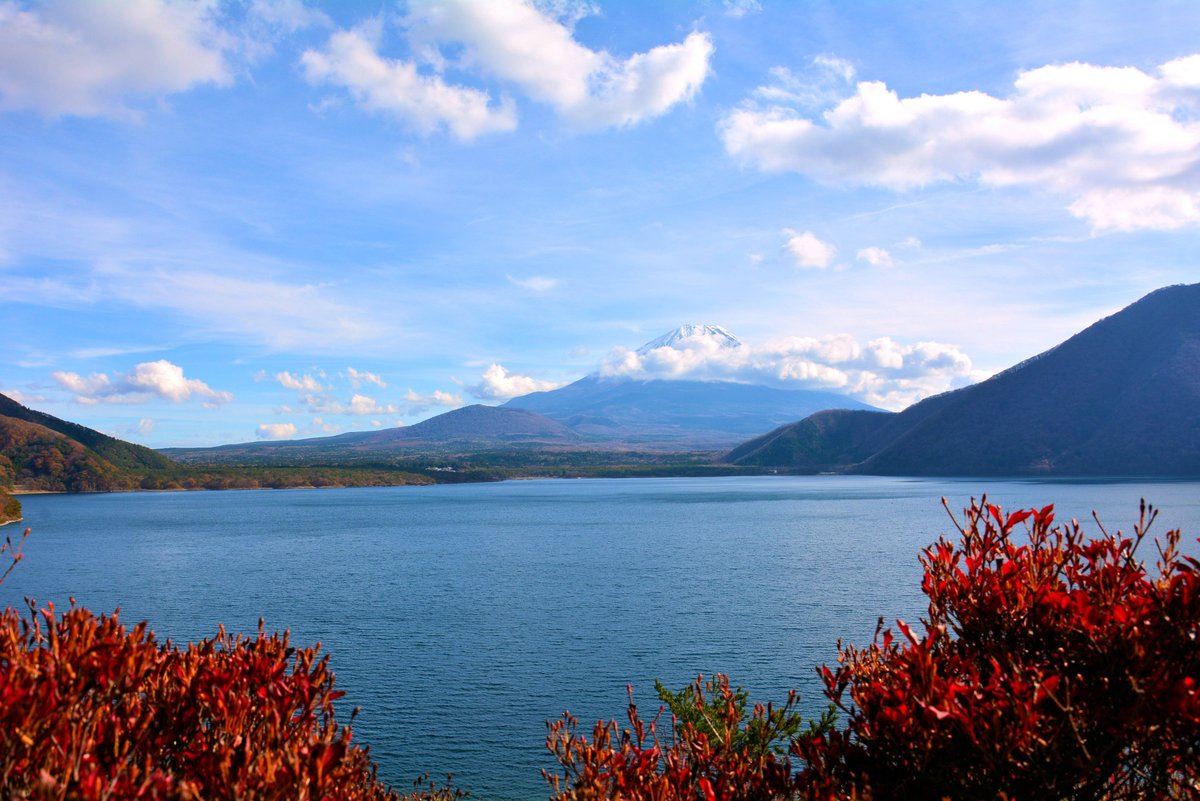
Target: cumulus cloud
497, 383
304, 383
362, 404
1122, 143
317, 398
91, 59
876, 257
529, 46
418, 403
276, 430
147, 381
807, 250
881, 372
427, 103
360, 377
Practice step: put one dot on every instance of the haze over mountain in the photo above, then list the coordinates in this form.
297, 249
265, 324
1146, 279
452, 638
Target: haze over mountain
1121, 398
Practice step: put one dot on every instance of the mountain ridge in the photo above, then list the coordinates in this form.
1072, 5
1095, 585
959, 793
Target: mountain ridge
1121, 397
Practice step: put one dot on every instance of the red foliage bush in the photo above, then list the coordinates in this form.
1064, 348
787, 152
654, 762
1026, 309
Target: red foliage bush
92, 710
721, 755
1052, 665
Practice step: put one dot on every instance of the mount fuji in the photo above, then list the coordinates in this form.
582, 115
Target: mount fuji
713, 336
678, 413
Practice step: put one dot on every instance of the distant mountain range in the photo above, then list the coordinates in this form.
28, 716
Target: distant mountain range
469, 429
594, 413
1121, 398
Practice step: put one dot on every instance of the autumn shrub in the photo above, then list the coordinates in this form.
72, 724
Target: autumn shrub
714, 751
91, 709
1052, 665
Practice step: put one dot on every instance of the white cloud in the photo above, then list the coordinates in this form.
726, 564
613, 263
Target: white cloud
145, 426
360, 377
304, 383
361, 404
147, 381
418, 403
534, 283
876, 257
497, 383
807, 250
518, 43
90, 59
276, 430
425, 102
881, 372
1123, 143
318, 398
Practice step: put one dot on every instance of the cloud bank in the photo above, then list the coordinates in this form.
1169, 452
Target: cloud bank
881, 372
1123, 144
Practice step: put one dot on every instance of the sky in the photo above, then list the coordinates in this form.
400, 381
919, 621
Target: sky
230, 221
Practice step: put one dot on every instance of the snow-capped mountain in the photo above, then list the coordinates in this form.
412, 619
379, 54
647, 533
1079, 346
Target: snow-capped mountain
691, 335
680, 412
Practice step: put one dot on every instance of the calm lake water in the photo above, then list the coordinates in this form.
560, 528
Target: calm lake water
461, 618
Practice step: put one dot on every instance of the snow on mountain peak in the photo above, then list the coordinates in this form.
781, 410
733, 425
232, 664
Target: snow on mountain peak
692, 334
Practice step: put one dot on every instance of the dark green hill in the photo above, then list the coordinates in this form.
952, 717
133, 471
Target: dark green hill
124, 455
1121, 398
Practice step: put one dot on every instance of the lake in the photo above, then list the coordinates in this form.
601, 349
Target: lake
461, 617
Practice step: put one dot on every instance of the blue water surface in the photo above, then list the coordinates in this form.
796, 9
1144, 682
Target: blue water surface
460, 618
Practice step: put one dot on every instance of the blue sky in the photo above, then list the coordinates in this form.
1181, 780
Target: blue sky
229, 220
